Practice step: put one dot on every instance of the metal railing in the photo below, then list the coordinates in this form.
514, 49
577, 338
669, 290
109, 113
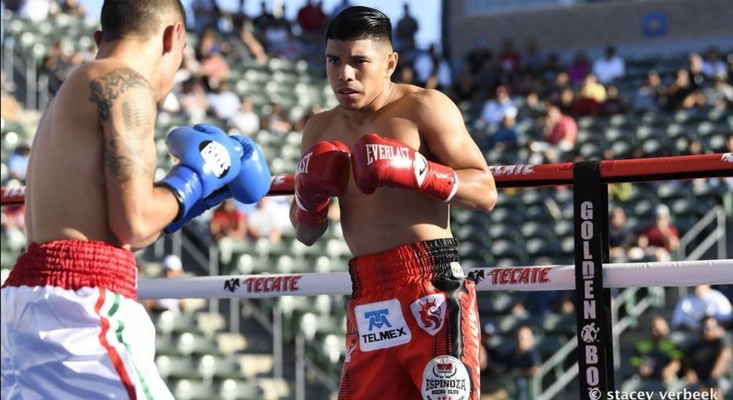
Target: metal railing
633, 308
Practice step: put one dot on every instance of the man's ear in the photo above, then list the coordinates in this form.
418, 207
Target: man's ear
392, 62
172, 34
97, 36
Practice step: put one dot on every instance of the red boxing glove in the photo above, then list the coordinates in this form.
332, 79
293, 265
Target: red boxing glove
323, 172
378, 162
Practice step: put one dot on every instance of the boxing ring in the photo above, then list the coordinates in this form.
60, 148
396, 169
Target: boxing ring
591, 275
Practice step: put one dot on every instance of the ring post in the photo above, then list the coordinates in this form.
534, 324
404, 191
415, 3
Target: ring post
593, 302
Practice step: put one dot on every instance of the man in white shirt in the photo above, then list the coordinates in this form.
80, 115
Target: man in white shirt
610, 67
703, 301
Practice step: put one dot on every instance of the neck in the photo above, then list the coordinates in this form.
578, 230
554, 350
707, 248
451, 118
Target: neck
137, 55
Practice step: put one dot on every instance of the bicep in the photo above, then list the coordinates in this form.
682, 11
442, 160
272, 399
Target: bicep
126, 110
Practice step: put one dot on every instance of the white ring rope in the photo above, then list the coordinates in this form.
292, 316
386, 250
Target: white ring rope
555, 277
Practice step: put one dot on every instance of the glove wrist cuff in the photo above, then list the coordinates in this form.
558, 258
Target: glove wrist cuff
311, 218
441, 182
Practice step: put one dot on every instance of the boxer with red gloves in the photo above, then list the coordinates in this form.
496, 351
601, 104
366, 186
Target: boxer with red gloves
322, 173
412, 320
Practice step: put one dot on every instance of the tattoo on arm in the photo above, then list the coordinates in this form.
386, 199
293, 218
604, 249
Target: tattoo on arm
127, 152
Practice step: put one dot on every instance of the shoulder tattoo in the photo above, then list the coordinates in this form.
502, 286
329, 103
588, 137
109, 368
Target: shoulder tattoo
127, 153
109, 87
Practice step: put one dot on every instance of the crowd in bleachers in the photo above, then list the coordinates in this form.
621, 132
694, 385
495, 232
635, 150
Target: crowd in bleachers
262, 76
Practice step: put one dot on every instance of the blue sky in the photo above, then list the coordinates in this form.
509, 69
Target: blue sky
427, 12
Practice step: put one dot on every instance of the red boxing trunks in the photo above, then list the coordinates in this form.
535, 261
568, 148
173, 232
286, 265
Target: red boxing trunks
412, 326
74, 264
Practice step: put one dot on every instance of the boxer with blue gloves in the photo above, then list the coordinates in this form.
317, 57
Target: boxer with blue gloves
212, 167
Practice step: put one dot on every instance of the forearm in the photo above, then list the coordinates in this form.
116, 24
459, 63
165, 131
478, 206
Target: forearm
156, 213
476, 190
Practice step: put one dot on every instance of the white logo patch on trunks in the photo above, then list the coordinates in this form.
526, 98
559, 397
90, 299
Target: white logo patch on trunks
429, 311
457, 270
216, 157
381, 325
445, 378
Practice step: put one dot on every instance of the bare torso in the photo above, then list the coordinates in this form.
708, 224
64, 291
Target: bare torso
66, 193
390, 216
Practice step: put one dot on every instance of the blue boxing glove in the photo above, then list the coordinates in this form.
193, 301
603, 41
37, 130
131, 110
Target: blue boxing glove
252, 183
207, 160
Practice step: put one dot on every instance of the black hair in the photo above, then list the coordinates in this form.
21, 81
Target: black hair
121, 18
359, 22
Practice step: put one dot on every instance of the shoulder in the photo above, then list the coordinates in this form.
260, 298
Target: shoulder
424, 98
319, 123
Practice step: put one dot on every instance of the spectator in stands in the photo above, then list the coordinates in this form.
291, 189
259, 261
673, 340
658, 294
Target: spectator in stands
476, 57
661, 239
681, 94
712, 65
532, 109
276, 34
340, 7
613, 104
55, 66
720, 94
620, 236
432, 70
590, 97
172, 268
249, 46
709, 361
495, 109
13, 227
245, 120
657, 357
695, 74
406, 74
224, 103
228, 222
506, 136
276, 120
579, 68
531, 60
18, 161
509, 58
312, 20
194, 103
610, 67
405, 29
561, 131
651, 95
211, 55
524, 361
206, 14
464, 89
73, 7
262, 222
10, 108
38, 10
560, 84
313, 109
701, 302
495, 379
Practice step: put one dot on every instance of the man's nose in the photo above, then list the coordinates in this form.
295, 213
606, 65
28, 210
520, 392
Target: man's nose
346, 73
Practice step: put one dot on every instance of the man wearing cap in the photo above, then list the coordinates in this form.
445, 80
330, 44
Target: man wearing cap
172, 268
661, 238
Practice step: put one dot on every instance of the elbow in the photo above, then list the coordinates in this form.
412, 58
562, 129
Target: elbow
489, 201
489, 196
132, 231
